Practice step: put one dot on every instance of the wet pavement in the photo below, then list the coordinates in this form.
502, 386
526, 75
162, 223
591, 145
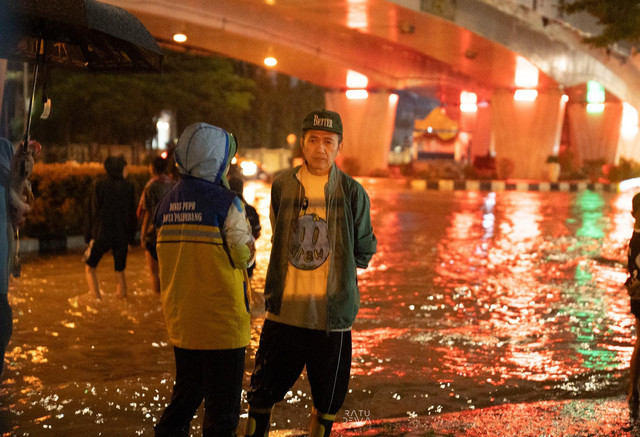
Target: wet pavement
584, 417
483, 313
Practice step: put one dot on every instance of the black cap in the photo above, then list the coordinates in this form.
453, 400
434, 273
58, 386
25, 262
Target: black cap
323, 120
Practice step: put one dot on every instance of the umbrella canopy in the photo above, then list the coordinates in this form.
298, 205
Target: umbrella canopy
83, 34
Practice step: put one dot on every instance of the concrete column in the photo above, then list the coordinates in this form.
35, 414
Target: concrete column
368, 128
524, 134
481, 132
628, 148
595, 136
628, 144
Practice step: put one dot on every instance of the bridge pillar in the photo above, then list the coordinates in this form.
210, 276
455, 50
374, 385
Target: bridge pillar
628, 148
524, 134
368, 129
595, 136
480, 127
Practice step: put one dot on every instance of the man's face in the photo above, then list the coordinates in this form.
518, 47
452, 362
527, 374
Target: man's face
320, 149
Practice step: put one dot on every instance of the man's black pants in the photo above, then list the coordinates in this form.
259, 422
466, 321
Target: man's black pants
284, 351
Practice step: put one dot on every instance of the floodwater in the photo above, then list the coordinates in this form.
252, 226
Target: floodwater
474, 299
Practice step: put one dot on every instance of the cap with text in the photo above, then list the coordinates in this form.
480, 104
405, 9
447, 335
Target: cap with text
323, 120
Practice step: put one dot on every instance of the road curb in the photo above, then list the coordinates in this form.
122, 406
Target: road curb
33, 245
493, 185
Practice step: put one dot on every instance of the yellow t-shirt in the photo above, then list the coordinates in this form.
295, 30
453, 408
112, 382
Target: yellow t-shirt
304, 301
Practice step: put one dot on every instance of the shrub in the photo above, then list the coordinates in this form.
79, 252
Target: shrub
593, 168
61, 192
504, 167
626, 169
380, 173
438, 169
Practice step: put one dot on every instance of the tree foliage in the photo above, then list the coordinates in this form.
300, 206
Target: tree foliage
120, 109
277, 110
261, 107
620, 19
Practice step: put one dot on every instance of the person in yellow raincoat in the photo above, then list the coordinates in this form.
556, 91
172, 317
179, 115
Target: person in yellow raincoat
204, 246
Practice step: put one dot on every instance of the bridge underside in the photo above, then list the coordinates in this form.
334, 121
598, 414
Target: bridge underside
427, 48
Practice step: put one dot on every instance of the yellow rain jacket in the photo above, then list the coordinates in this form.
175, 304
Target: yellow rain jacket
203, 238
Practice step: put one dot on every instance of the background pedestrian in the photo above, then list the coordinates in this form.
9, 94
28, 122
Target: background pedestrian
633, 288
110, 223
153, 192
236, 184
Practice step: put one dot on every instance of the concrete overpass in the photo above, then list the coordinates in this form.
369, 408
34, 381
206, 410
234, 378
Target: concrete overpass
434, 48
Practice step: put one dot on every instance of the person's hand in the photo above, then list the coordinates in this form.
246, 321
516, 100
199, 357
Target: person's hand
20, 172
19, 207
21, 196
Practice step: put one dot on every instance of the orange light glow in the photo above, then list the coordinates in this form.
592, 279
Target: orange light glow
525, 95
180, 37
468, 101
526, 74
357, 94
357, 15
270, 61
629, 125
356, 80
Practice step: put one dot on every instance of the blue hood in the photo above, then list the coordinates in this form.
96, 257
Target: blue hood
205, 151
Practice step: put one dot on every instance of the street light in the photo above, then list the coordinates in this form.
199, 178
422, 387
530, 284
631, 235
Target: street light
180, 37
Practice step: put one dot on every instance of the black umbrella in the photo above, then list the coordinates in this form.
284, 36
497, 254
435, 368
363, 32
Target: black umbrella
80, 34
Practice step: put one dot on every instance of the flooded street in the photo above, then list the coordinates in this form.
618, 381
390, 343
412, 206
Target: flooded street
474, 299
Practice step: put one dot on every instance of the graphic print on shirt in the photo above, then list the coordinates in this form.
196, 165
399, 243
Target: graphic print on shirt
309, 247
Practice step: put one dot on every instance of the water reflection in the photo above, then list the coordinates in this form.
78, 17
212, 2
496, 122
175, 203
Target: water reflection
473, 299
506, 297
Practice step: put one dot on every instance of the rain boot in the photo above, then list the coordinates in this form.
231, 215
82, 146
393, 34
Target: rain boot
258, 422
321, 424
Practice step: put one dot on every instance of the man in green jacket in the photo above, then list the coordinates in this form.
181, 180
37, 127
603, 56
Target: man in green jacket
321, 233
